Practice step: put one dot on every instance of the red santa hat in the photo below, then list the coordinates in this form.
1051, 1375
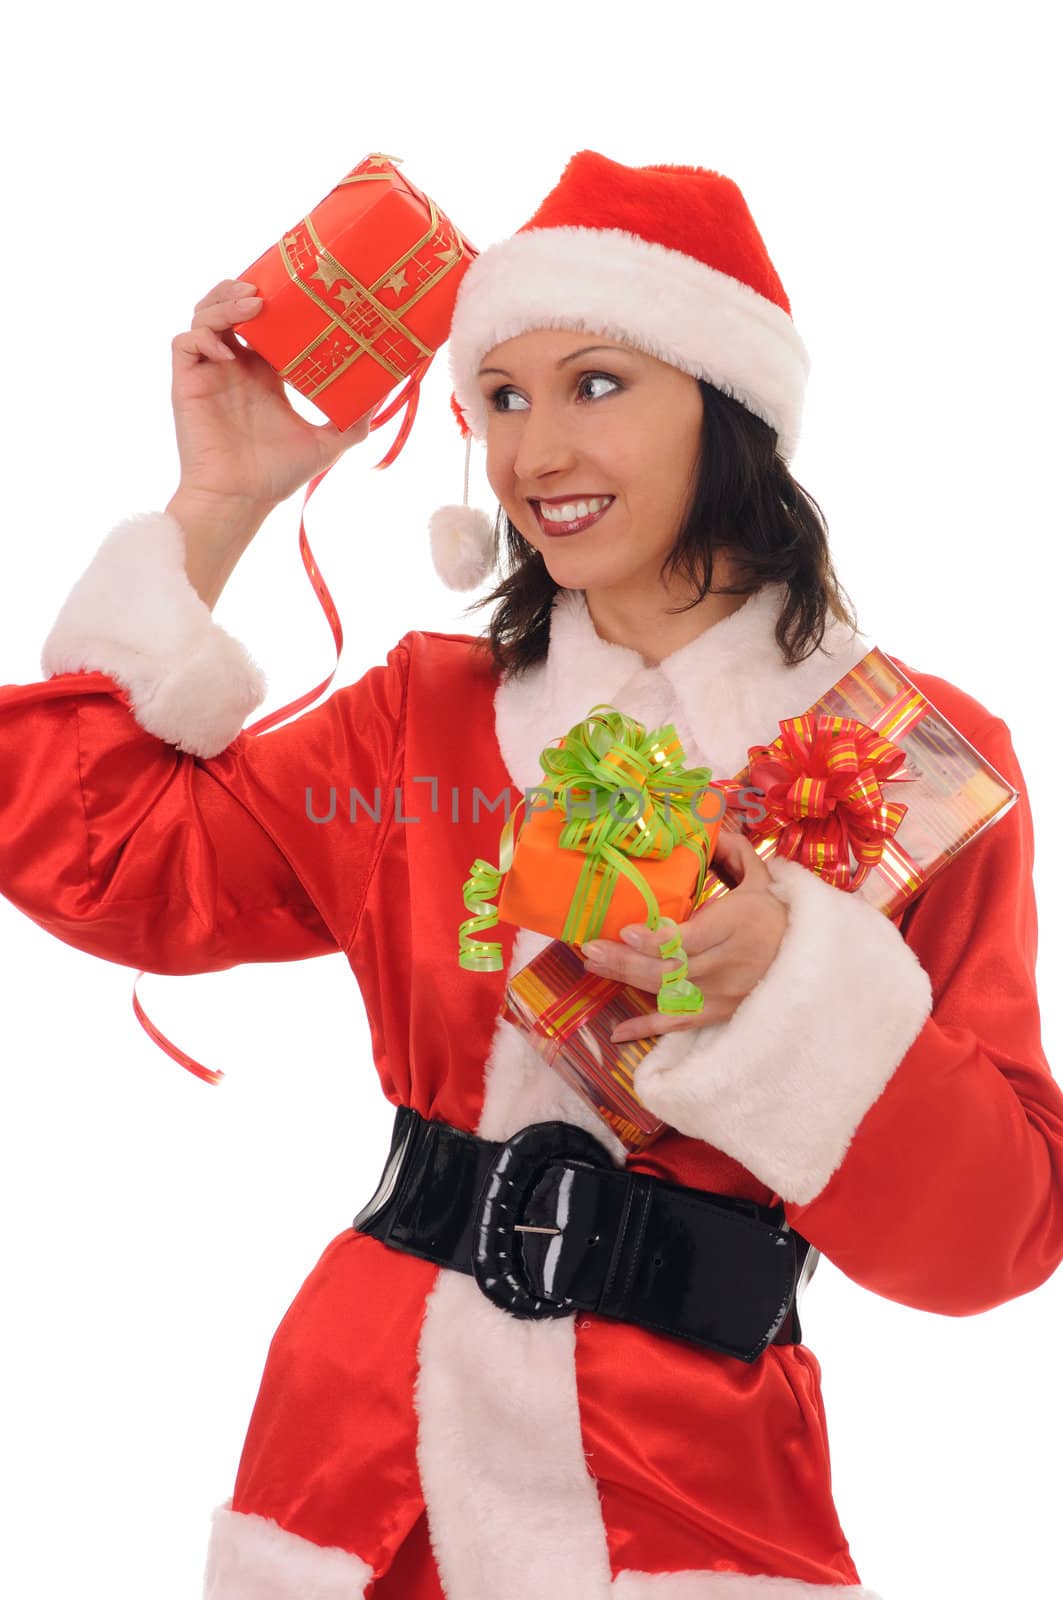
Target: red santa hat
667, 259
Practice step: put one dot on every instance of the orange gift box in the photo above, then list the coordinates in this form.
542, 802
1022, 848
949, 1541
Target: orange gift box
543, 879
359, 295
626, 835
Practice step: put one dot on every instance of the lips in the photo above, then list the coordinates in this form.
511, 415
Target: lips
565, 530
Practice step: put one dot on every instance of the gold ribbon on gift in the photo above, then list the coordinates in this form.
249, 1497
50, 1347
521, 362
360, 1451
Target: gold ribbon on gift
607, 760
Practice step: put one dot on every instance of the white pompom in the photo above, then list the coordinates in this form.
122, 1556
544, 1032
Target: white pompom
462, 540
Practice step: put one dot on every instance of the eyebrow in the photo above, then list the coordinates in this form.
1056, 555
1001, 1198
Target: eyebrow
564, 359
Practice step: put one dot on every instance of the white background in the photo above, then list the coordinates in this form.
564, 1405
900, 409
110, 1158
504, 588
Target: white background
901, 164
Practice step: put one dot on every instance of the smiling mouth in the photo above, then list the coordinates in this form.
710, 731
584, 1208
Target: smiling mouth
554, 529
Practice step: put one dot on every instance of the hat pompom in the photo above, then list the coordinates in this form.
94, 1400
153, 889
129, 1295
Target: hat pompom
462, 540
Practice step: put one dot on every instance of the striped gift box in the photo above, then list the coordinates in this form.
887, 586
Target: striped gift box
568, 1014
951, 793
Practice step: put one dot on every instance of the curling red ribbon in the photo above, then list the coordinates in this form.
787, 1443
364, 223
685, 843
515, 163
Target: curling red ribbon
408, 396
820, 784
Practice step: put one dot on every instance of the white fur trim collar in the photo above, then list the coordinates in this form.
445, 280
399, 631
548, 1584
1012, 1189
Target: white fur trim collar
731, 683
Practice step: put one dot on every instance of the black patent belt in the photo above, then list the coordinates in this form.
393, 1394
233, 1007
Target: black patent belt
548, 1225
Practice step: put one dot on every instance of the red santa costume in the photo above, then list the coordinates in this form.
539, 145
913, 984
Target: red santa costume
411, 1439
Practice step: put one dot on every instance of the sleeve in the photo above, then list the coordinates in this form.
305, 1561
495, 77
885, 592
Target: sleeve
140, 823
886, 1077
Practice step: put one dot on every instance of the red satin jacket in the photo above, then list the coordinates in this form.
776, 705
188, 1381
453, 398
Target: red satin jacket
626, 1456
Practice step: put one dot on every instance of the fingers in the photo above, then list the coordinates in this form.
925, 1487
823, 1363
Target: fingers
738, 855
209, 336
656, 1022
236, 306
647, 972
227, 289
626, 965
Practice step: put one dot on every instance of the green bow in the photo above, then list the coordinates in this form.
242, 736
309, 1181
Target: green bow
635, 801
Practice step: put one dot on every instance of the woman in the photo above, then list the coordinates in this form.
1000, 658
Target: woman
877, 1085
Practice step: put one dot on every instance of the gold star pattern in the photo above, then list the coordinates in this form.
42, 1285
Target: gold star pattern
352, 295
397, 282
327, 272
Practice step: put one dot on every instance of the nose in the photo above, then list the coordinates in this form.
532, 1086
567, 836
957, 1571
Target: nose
545, 446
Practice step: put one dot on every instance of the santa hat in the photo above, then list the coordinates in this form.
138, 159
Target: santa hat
666, 259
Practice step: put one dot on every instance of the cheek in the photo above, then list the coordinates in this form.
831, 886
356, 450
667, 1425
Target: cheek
655, 493
668, 479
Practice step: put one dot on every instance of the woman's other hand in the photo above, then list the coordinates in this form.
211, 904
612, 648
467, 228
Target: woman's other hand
730, 943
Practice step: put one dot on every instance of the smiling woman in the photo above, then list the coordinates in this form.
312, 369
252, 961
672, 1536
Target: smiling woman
855, 1045
703, 512
434, 1417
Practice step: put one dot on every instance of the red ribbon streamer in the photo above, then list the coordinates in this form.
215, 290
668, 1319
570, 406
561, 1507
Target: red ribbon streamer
407, 397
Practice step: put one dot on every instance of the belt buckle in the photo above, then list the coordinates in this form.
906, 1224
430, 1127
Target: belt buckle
521, 1160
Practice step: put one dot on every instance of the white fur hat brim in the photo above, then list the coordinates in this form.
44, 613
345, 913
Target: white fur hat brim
608, 281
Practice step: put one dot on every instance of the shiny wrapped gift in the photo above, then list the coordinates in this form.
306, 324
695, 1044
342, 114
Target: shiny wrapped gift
625, 834
568, 1014
820, 796
359, 295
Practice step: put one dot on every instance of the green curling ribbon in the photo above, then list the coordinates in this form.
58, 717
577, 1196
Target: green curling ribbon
640, 802
478, 892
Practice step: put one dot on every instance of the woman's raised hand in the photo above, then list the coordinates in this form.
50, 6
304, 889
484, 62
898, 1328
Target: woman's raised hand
239, 439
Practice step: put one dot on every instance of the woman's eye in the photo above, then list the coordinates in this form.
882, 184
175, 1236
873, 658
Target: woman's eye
588, 377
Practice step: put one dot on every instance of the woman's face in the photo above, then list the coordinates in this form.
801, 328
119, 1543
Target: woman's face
567, 424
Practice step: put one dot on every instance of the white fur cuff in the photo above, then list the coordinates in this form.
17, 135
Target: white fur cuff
784, 1084
253, 1558
134, 615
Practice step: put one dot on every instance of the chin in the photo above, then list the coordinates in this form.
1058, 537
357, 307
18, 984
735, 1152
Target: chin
574, 573
568, 573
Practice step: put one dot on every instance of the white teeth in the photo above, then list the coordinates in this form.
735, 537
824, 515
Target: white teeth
572, 512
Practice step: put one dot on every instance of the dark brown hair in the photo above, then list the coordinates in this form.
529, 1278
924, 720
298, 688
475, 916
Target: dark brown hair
744, 501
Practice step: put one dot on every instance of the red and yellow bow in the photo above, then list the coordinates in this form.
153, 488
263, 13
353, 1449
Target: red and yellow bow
820, 784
